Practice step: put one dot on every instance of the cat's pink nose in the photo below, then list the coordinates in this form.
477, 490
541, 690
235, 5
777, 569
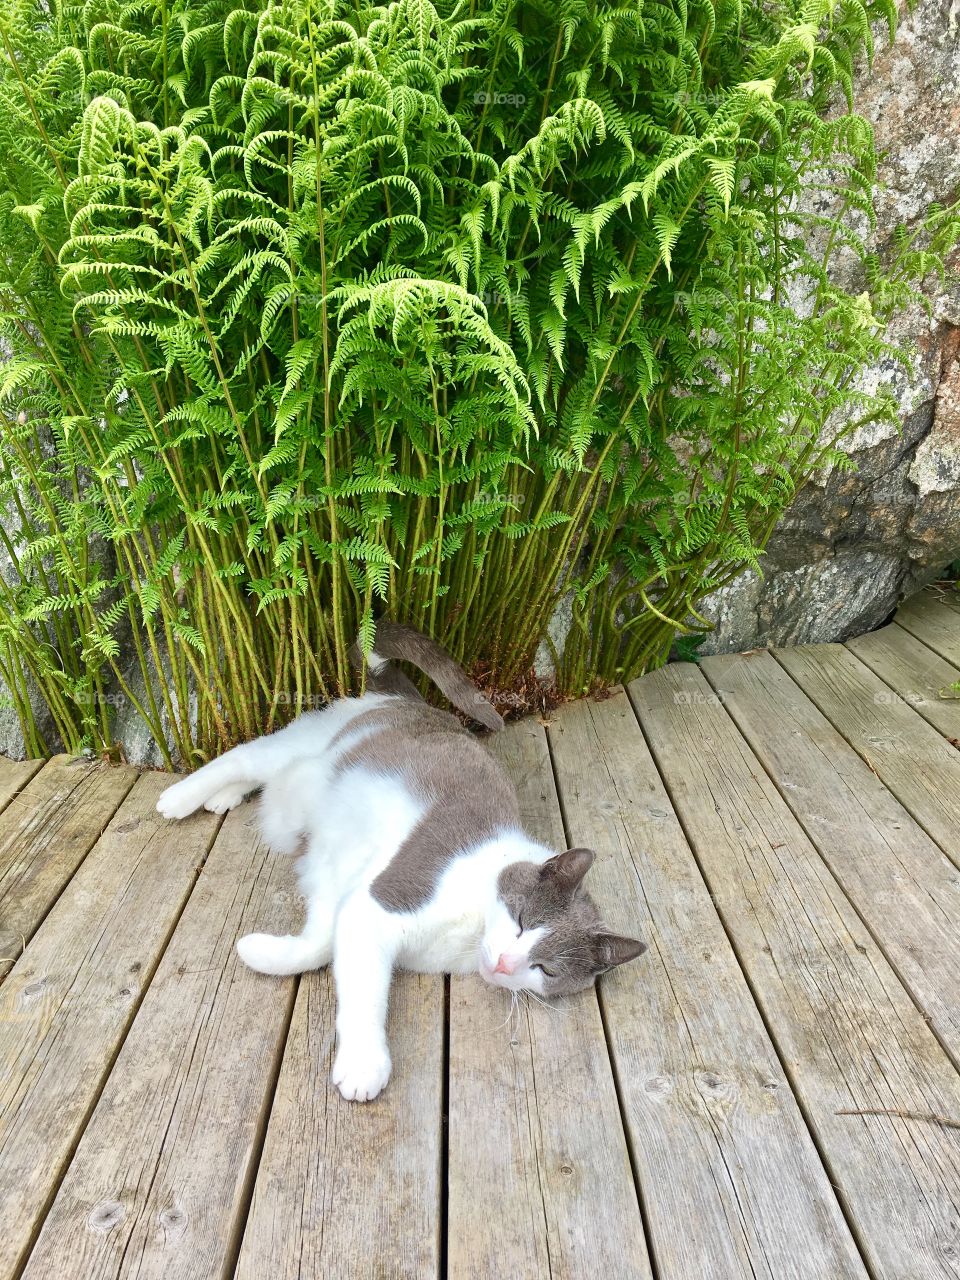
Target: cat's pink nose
504, 965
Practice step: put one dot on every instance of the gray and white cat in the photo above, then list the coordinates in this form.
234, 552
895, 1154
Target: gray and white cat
413, 854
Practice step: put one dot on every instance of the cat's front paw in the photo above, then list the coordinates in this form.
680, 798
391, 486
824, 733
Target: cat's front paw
263, 952
178, 801
361, 1072
226, 798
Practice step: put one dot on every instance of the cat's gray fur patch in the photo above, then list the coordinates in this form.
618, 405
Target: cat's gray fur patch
467, 797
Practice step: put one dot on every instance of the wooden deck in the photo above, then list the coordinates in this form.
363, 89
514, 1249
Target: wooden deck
771, 1092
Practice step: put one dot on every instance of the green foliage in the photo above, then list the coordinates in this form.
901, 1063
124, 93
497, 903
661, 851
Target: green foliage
319, 310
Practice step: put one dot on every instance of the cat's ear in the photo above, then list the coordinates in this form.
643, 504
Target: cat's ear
610, 949
569, 868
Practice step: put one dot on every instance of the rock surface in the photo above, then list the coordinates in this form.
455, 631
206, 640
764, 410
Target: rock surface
854, 544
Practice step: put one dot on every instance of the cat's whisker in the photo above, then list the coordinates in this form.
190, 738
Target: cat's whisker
510, 1012
551, 1008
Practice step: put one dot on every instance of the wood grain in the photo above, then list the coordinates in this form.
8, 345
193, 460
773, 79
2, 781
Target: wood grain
344, 1188
915, 673
14, 776
159, 1182
905, 888
540, 1182
933, 616
68, 1001
762, 1076
719, 1142
847, 1031
49, 826
908, 755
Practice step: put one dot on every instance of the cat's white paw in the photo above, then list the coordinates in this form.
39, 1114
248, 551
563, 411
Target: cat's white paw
361, 1073
263, 951
179, 800
225, 799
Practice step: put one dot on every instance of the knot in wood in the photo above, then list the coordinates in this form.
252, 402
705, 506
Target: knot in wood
173, 1220
104, 1216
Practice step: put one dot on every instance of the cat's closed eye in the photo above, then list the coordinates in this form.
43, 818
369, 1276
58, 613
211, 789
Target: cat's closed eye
547, 973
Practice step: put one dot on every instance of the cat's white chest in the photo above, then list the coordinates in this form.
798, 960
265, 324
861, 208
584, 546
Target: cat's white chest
439, 943
444, 935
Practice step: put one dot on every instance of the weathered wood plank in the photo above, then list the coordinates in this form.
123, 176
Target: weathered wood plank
901, 882
343, 1188
909, 756
48, 828
160, 1181
915, 673
14, 776
933, 616
847, 1030
347, 1189
540, 1182
730, 1178
68, 1001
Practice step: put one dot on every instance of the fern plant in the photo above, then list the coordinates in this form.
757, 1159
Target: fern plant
318, 310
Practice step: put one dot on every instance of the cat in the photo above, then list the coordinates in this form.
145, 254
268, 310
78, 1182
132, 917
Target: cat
413, 853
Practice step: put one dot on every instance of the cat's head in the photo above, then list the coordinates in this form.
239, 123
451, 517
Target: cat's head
544, 933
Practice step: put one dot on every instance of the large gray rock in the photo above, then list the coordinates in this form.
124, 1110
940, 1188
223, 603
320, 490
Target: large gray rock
854, 544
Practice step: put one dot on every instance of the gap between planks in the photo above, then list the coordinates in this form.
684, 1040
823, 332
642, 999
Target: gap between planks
933, 618
51, 821
14, 776
901, 884
161, 1176
914, 673
906, 753
714, 1124
830, 1001
72, 997
540, 1181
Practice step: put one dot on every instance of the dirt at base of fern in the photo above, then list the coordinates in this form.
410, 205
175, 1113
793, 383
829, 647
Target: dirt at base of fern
529, 694
457, 316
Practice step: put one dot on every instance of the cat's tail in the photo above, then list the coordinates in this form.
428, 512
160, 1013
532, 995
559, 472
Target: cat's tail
393, 640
